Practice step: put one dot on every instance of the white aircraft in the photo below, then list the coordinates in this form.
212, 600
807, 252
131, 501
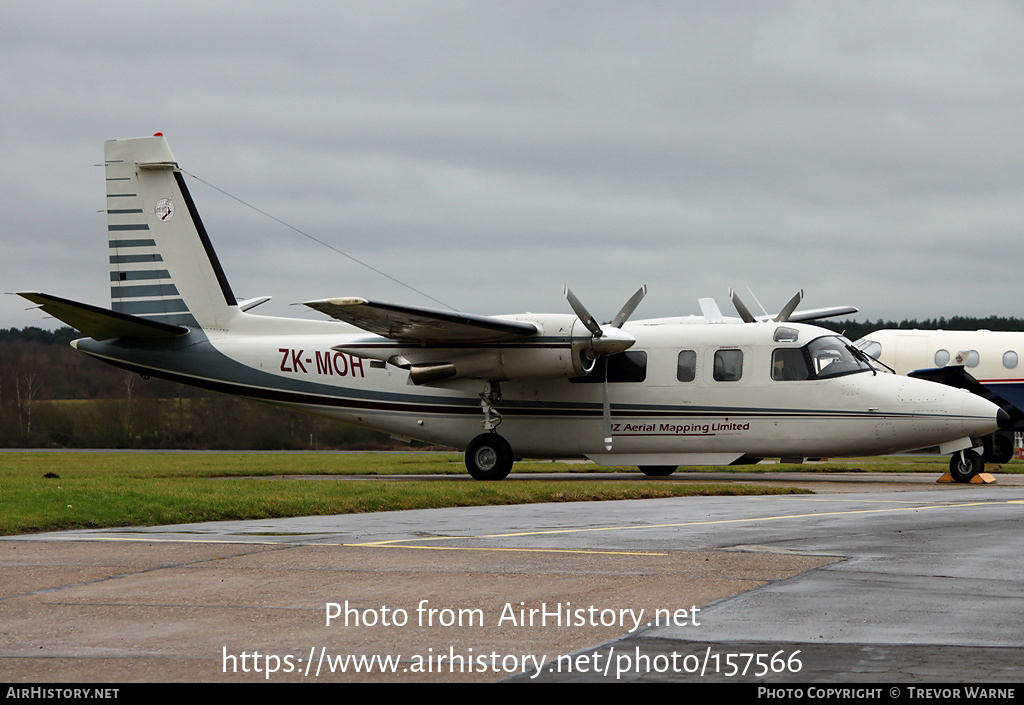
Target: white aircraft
984, 362
654, 393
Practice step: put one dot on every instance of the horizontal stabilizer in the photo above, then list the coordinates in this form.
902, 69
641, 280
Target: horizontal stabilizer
409, 324
101, 323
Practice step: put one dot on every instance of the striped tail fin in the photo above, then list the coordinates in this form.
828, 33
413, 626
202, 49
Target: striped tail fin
162, 265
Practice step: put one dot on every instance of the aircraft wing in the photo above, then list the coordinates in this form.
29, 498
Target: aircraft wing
421, 326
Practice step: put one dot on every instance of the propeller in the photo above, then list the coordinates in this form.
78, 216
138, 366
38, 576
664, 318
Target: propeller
789, 312
741, 309
790, 306
606, 341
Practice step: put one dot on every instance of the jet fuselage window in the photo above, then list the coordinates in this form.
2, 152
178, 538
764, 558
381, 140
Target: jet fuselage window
686, 368
871, 348
629, 366
728, 365
941, 358
972, 359
1009, 359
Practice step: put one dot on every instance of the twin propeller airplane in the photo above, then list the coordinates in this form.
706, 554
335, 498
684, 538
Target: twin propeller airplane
693, 390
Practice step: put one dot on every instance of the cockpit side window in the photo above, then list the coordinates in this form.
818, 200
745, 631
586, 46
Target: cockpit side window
832, 356
827, 356
789, 364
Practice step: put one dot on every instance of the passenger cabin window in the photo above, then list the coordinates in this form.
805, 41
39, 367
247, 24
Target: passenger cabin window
629, 366
827, 356
941, 358
686, 368
1009, 359
971, 358
728, 365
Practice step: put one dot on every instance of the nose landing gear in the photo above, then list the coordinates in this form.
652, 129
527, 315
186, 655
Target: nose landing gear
964, 465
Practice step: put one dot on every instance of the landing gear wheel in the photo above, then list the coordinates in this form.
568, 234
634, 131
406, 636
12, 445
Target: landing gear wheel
489, 457
964, 465
657, 470
998, 448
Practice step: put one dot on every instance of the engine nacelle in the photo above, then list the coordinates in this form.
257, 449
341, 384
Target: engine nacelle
509, 363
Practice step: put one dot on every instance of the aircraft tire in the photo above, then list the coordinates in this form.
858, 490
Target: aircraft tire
657, 470
489, 457
998, 447
965, 465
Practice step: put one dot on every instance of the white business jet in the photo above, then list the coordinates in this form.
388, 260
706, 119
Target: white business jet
661, 393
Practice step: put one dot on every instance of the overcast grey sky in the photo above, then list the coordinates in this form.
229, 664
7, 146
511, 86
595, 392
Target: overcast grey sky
488, 152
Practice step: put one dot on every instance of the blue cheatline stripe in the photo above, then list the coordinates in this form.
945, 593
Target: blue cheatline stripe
123, 210
238, 379
121, 195
132, 292
117, 244
464, 406
140, 274
132, 259
131, 226
156, 306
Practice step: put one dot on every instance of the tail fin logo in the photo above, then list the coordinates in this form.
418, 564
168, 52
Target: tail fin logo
164, 209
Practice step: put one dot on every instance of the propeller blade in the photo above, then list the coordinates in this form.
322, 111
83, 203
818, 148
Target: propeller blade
607, 413
816, 314
606, 342
766, 316
788, 309
741, 309
627, 309
581, 311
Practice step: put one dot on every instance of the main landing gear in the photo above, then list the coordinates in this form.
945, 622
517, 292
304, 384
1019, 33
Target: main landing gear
489, 456
997, 447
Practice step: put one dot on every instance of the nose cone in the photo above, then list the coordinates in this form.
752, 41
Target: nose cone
980, 416
612, 340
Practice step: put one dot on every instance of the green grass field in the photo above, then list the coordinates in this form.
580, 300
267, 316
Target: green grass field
42, 491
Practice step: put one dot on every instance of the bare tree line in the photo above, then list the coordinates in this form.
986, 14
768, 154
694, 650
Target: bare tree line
54, 397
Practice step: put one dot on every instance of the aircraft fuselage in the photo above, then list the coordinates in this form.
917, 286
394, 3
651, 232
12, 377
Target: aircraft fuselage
708, 416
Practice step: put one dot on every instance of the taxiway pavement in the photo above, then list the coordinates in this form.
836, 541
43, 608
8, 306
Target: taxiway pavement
886, 587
